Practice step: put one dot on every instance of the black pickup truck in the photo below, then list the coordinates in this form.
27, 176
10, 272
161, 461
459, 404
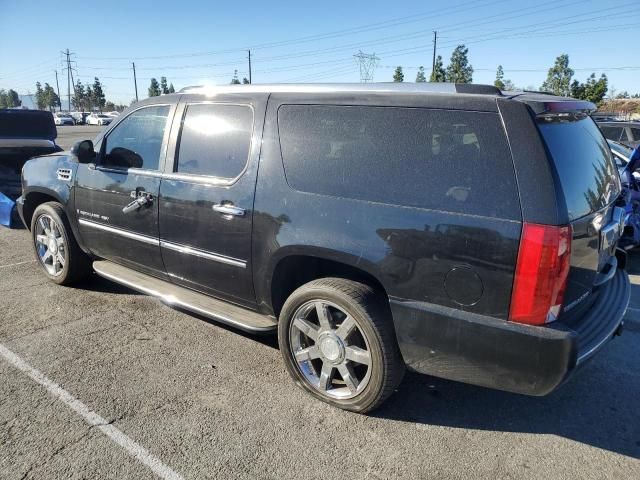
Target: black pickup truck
458, 230
23, 134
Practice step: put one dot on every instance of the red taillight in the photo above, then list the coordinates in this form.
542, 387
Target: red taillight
541, 273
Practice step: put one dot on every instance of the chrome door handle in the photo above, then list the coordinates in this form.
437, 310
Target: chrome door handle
227, 209
136, 204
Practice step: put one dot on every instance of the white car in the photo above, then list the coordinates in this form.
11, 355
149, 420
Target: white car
113, 114
63, 119
98, 119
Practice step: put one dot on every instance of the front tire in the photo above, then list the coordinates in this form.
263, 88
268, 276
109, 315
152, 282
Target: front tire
338, 343
55, 247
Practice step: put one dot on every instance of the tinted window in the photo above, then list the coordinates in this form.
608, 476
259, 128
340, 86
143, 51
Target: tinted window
138, 137
215, 140
612, 133
636, 134
439, 159
584, 164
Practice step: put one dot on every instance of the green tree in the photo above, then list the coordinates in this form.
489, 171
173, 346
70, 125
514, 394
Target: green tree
234, 80
79, 99
110, 106
88, 98
459, 69
4, 100
245, 81
171, 89
154, 88
51, 98
559, 76
398, 76
420, 76
9, 99
499, 81
593, 90
438, 74
40, 100
98, 94
163, 85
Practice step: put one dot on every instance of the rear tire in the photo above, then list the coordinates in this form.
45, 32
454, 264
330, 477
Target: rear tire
339, 344
55, 247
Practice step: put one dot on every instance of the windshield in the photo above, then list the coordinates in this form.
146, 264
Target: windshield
584, 164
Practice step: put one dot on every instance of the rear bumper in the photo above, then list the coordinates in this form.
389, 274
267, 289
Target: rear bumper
494, 353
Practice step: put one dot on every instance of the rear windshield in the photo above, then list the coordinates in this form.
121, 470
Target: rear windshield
27, 124
584, 164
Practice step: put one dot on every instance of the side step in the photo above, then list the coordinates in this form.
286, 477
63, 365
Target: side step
174, 295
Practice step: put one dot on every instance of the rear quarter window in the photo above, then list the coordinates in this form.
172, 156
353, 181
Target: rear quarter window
445, 160
584, 164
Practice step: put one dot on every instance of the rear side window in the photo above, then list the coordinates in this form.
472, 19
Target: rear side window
583, 162
215, 140
454, 161
636, 134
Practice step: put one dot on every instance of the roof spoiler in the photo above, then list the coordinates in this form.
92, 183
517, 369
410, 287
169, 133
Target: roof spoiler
562, 106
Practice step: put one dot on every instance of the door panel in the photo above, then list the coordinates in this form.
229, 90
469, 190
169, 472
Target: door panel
206, 217
117, 199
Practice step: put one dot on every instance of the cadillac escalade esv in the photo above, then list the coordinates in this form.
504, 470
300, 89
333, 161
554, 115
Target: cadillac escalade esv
461, 231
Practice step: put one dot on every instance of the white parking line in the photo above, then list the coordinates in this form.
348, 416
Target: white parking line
92, 418
18, 263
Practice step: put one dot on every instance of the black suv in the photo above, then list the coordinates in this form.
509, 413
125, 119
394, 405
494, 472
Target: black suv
450, 228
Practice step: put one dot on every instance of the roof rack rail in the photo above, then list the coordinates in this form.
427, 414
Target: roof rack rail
478, 89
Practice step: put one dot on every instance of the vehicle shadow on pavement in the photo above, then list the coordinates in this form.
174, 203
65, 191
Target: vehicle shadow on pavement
96, 283
593, 408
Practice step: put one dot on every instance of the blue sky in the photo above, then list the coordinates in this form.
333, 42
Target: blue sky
196, 41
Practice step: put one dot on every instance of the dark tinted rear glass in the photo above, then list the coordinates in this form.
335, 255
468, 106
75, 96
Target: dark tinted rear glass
439, 159
27, 124
584, 164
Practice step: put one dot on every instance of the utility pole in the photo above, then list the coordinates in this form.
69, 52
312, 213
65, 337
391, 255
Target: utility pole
435, 42
249, 65
367, 63
135, 80
68, 80
58, 88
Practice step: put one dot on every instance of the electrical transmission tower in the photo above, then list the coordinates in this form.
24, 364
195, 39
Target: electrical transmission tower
367, 63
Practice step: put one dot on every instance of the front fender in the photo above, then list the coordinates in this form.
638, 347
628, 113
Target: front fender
48, 178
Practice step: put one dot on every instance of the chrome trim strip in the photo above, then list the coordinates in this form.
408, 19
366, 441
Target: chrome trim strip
236, 262
203, 254
203, 179
127, 171
121, 232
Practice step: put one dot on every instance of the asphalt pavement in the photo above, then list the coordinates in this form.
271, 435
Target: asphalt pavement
100, 382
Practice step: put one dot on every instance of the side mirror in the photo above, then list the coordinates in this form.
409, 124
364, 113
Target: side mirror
84, 151
124, 158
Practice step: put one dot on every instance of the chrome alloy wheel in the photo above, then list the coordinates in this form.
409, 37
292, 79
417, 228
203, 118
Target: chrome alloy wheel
330, 349
50, 245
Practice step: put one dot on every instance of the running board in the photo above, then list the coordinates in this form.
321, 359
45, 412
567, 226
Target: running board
176, 296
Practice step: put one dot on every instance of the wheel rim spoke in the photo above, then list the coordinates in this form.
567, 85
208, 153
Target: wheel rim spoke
324, 317
41, 239
306, 327
347, 326
61, 260
321, 351
49, 234
358, 355
349, 377
309, 353
326, 375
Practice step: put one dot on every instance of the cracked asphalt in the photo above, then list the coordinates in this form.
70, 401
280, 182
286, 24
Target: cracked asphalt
210, 402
